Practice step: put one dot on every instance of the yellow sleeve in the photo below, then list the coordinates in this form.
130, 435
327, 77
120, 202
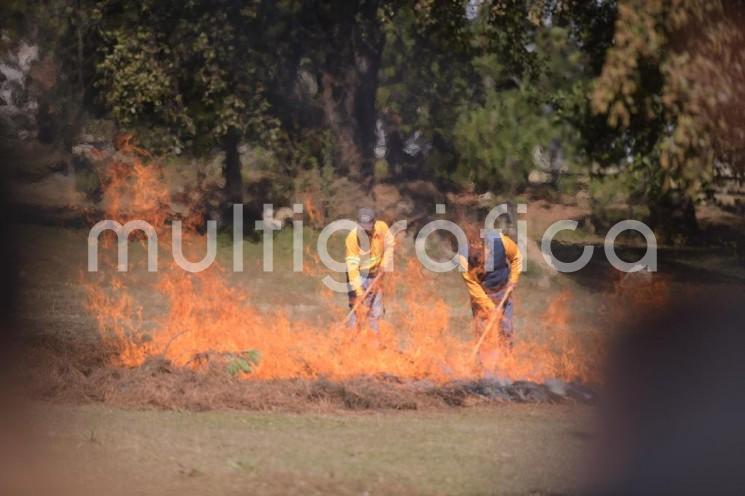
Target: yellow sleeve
382, 229
478, 296
512, 252
352, 259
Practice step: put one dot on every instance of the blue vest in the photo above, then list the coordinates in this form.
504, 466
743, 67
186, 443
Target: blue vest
500, 275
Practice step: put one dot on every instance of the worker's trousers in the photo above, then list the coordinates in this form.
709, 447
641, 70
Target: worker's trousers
372, 306
505, 324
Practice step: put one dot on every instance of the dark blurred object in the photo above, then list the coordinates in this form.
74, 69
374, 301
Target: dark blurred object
674, 412
8, 262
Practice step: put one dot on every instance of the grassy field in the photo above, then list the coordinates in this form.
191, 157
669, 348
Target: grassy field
505, 449
511, 449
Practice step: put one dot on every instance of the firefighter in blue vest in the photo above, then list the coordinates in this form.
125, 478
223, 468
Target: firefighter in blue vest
488, 284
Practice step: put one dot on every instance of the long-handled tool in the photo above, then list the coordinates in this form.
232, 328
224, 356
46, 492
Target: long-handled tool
498, 311
361, 299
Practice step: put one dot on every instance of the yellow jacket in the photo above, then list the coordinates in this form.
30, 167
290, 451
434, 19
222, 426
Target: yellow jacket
480, 301
368, 261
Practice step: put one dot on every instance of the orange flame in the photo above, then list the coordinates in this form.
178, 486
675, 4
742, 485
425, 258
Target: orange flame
315, 216
189, 315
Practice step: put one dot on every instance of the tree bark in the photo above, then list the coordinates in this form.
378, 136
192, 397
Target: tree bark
349, 156
350, 82
232, 170
367, 66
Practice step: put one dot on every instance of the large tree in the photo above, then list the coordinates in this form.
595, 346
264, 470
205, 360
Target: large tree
492, 81
188, 69
672, 84
328, 74
464, 90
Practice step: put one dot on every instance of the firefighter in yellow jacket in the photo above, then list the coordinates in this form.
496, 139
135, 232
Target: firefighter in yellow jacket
367, 252
489, 274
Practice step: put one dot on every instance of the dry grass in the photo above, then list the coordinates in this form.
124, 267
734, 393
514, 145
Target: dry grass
76, 373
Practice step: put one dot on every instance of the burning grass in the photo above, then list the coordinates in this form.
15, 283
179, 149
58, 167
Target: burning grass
206, 315
175, 339
74, 373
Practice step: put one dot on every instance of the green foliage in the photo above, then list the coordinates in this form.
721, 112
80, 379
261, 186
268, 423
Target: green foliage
670, 85
310, 149
186, 67
244, 363
610, 190
426, 75
496, 141
381, 170
497, 138
87, 182
650, 87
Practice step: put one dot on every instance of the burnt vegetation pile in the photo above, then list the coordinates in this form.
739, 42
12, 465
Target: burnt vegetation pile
75, 373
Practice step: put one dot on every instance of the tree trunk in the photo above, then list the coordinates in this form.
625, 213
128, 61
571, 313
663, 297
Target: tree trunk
350, 83
674, 216
232, 171
349, 109
367, 65
349, 156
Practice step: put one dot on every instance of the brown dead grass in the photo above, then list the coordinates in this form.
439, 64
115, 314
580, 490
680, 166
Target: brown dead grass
75, 373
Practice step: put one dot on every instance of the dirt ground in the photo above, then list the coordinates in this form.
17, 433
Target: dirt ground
511, 449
